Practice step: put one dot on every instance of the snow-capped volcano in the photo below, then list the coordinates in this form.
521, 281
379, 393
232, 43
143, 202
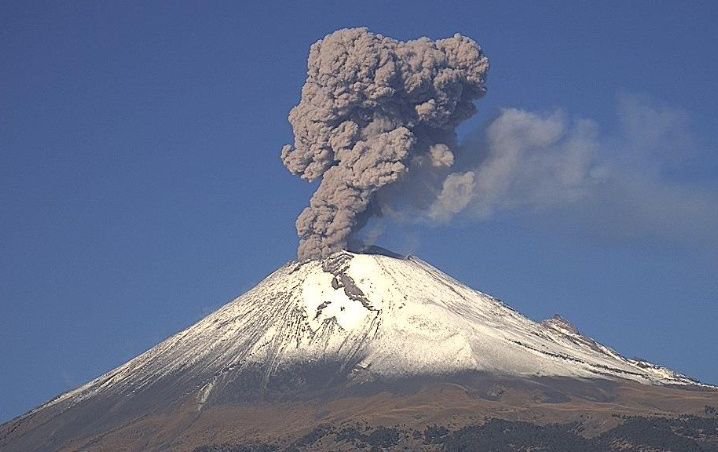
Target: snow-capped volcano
371, 316
329, 333
317, 338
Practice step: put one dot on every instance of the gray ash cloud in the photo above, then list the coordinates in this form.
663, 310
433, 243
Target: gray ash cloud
373, 112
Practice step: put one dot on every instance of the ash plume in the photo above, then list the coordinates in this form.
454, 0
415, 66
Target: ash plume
373, 110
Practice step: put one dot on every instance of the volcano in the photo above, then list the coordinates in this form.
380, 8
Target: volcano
330, 353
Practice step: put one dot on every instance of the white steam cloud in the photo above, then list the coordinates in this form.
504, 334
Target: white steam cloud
618, 187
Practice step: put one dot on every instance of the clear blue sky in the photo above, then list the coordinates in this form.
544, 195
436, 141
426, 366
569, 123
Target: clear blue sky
141, 186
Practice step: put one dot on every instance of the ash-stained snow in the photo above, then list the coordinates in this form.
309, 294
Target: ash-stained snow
380, 316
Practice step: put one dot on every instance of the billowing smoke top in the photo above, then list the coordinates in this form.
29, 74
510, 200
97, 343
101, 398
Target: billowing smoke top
374, 109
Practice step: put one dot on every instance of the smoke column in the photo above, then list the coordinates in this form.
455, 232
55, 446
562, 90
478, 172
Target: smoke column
373, 110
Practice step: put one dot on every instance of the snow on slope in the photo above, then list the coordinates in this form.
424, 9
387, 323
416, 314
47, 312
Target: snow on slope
379, 316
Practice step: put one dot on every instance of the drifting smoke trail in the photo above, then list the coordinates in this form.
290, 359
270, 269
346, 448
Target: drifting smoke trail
374, 109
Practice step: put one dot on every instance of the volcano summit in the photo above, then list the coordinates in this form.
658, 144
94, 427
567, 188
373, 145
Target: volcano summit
353, 339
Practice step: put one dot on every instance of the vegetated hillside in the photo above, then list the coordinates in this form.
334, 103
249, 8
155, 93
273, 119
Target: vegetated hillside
688, 433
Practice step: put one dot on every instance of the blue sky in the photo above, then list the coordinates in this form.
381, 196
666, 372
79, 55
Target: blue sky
141, 186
